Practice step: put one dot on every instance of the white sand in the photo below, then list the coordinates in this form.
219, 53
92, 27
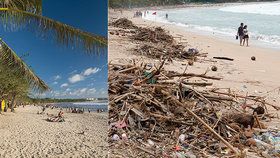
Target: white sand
27, 134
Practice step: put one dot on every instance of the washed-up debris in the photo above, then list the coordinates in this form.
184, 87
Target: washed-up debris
190, 62
224, 58
214, 68
268, 143
154, 42
253, 58
163, 114
155, 35
124, 23
166, 51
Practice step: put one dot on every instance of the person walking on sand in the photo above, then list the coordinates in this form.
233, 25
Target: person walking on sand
246, 36
240, 33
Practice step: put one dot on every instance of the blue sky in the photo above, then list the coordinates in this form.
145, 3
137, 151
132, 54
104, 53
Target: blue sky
71, 73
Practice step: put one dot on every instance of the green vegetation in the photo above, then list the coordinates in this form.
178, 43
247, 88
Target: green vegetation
150, 3
13, 85
52, 100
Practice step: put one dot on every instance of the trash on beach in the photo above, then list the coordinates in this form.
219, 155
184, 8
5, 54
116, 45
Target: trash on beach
214, 68
115, 137
124, 23
224, 58
155, 42
172, 113
190, 62
253, 58
268, 141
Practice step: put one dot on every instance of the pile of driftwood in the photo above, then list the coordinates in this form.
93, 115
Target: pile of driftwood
124, 23
156, 35
155, 42
158, 113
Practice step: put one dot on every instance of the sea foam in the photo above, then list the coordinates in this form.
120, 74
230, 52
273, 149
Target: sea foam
261, 8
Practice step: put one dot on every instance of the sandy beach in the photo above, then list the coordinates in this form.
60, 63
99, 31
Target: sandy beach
242, 75
27, 134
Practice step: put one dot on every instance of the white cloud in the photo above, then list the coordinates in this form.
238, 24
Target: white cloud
55, 82
64, 85
83, 90
68, 89
57, 77
80, 77
90, 71
76, 78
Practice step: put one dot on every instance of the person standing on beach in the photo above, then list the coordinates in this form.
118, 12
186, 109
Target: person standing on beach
246, 36
240, 33
166, 16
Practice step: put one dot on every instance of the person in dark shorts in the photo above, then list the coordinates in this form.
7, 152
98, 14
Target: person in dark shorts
240, 33
246, 36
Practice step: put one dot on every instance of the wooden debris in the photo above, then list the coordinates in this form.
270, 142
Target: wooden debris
124, 23
224, 58
153, 106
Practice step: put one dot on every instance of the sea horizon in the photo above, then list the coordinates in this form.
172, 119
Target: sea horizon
87, 105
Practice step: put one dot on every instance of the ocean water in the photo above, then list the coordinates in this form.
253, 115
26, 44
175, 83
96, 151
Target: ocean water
262, 19
93, 106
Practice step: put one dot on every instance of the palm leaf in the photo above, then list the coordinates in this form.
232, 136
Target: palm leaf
33, 6
64, 34
9, 58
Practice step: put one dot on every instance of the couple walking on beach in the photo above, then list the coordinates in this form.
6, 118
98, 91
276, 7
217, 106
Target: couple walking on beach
243, 34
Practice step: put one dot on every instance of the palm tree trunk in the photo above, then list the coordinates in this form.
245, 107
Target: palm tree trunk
12, 103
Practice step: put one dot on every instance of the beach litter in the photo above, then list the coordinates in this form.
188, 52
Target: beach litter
158, 113
214, 68
164, 113
155, 42
124, 23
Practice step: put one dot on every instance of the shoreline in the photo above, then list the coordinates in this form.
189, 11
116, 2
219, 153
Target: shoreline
218, 34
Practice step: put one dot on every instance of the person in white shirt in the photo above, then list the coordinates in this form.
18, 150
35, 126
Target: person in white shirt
246, 36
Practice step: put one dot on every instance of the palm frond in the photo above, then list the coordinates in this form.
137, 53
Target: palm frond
33, 6
64, 34
10, 58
